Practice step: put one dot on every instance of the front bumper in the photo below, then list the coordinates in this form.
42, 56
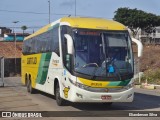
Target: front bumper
80, 95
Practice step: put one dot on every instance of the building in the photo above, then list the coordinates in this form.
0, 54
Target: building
11, 50
12, 57
11, 36
153, 38
4, 30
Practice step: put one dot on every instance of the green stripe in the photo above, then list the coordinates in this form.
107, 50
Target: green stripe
43, 68
119, 83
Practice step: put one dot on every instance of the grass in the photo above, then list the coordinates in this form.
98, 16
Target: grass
152, 77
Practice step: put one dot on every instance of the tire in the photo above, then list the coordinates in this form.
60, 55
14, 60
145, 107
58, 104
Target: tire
26, 80
29, 87
60, 101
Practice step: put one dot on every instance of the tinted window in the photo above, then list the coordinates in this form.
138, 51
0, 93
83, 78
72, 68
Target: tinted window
65, 30
45, 42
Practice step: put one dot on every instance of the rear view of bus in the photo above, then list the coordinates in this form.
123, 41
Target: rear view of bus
95, 63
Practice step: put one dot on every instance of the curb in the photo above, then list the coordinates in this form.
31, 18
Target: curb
146, 86
157, 86
137, 86
149, 87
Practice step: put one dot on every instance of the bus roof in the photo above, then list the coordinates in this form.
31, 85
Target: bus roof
83, 22
93, 23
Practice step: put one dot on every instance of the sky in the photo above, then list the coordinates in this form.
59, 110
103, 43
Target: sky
34, 13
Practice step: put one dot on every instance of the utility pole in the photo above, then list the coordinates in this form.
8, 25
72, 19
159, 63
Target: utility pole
2, 70
49, 11
15, 22
75, 7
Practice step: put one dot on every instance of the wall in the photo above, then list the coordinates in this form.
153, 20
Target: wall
9, 67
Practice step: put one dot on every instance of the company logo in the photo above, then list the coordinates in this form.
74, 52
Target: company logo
32, 60
6, 114
55, 62
66, 89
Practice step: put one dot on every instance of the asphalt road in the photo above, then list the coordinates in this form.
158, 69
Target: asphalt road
14, 97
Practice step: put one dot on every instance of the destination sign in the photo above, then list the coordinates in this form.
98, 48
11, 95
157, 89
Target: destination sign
89, 33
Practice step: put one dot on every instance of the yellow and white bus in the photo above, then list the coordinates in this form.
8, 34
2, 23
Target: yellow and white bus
80, 60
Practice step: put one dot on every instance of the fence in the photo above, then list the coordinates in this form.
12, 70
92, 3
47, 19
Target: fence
2, 71
150, 39
12, 69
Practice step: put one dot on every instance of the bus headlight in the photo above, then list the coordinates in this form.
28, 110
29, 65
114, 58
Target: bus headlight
130, 85
79, 85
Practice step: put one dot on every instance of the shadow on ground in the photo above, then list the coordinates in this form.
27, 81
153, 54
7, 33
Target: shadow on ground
141, 102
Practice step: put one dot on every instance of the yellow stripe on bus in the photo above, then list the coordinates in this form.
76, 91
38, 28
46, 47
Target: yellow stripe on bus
30, 63
91, 83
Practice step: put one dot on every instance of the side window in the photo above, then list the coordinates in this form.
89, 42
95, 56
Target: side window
48, 40
64, 43
55, 46
39, 43
65, 30
26, 47
45, 42
36, 45
32, 46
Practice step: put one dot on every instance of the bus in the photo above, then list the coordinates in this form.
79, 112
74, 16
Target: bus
80, 60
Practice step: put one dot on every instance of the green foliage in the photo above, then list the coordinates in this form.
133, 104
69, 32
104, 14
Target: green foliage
134, 19
24, 28
152, 77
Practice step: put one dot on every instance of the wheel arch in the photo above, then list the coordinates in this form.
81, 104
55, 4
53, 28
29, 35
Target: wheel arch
56, 81
25, 82
26, 78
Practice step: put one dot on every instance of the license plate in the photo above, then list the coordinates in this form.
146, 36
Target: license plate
106, 97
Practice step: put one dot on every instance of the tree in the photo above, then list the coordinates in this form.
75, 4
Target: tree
137, 19
24, 28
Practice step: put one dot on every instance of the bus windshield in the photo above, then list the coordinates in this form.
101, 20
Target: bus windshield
103, 54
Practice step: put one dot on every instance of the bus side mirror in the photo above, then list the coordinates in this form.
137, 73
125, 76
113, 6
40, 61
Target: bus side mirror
140, 46
69, 44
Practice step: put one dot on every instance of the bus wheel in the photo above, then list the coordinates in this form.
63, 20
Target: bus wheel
29, 87
60, 101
